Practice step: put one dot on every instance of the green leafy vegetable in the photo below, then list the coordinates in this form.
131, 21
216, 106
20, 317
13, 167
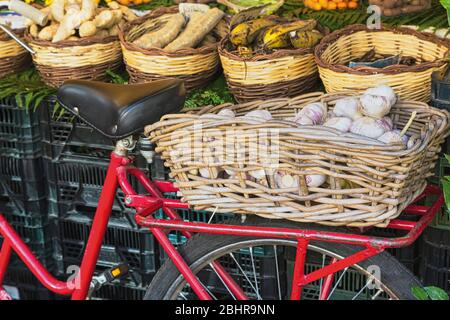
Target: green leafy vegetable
214, 94
121, 78
429, 293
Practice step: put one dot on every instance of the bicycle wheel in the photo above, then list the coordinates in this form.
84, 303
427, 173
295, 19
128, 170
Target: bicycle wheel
263, 268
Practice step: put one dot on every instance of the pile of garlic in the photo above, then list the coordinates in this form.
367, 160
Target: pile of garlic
365, 115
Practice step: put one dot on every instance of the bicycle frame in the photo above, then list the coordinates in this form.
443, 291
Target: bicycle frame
120, 166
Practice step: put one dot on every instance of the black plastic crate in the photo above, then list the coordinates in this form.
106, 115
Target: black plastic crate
75, 184
122, 244
435, 265
20, 135
23, 283
118, 291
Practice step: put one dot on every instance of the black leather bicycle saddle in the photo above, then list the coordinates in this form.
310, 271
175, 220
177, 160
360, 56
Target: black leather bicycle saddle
118, 111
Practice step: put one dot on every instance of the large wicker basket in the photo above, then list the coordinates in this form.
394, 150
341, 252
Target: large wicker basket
86, 58
284, 73
196, 67
368, 182
13, 58
410, 82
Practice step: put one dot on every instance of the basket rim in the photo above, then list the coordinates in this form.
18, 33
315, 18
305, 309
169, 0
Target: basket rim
349, 30
207, 49
87, 41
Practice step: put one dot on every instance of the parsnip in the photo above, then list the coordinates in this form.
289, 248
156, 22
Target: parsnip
199, 28
87, 29
68, 24
163, 36
48, 32
57, 10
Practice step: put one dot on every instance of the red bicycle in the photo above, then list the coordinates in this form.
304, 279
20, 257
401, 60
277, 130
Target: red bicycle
242, 258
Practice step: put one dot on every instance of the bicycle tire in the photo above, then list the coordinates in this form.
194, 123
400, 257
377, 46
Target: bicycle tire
396, 277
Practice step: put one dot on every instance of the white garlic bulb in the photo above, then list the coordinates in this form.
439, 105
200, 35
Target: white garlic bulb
315, 180
384, 91
386, 123
347, 107
316, 111
374, 106
261, 114
367, 127
390, 137
304, 120
257, 174
340, 123
209, 173
227, 113
284, 180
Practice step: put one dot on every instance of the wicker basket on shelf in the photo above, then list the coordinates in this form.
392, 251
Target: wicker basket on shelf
13, 58
367, 182
351, 43
196, 66
283, 73
85, 58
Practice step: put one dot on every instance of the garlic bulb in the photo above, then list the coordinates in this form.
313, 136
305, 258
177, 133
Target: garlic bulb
261, 114
303, 120
340, 123
227, 113
384, 91
347, 107
316, 111
386, 123
315, 180
368, 127
209, 173
284, 180
374, 106
257, 174
390, 137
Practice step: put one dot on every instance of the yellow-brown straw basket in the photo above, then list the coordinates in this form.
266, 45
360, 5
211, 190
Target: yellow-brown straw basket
196, 66
85, 58
410, 82
13, 58
284, 73
368, 182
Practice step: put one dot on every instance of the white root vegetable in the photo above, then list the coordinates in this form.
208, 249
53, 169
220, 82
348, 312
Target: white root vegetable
57, 10
340, 123
347, 107
260, 114
88, 8
198, 27
34, 30
374, 106
368, 127
87, 29
70, 22
127, 12
384, 91
386, 123
390, 137
108, 18
160, 38
227, 113
48, 32
316, 111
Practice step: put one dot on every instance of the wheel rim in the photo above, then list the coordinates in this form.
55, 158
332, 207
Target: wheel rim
247, 262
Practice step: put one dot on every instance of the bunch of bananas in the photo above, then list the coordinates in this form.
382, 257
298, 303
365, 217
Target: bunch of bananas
271, 33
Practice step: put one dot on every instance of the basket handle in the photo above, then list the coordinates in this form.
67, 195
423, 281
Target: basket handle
10, 33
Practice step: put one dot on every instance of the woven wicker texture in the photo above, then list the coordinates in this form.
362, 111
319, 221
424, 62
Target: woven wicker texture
196, 67
409, 82
13, 58
284, 73
368, 182
87, 58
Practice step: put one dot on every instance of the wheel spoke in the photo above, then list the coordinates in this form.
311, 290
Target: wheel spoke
221, 280
337, 283
254, 272
278, 272
245, 275
321, 279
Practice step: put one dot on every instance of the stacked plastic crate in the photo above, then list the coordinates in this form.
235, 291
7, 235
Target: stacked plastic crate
75, 163
23, 194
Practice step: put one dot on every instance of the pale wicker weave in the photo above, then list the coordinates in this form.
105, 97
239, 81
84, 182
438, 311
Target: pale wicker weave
86, 58
196, 67
13, 58
369, 183
410, 82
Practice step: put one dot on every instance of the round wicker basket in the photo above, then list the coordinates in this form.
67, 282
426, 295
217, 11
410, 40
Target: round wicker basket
196, 67
284, 73
85, 59
413, 82
13, 58
366, 182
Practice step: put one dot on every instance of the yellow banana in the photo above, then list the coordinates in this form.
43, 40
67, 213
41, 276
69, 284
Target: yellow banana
277, 36
244, 33
305, 39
